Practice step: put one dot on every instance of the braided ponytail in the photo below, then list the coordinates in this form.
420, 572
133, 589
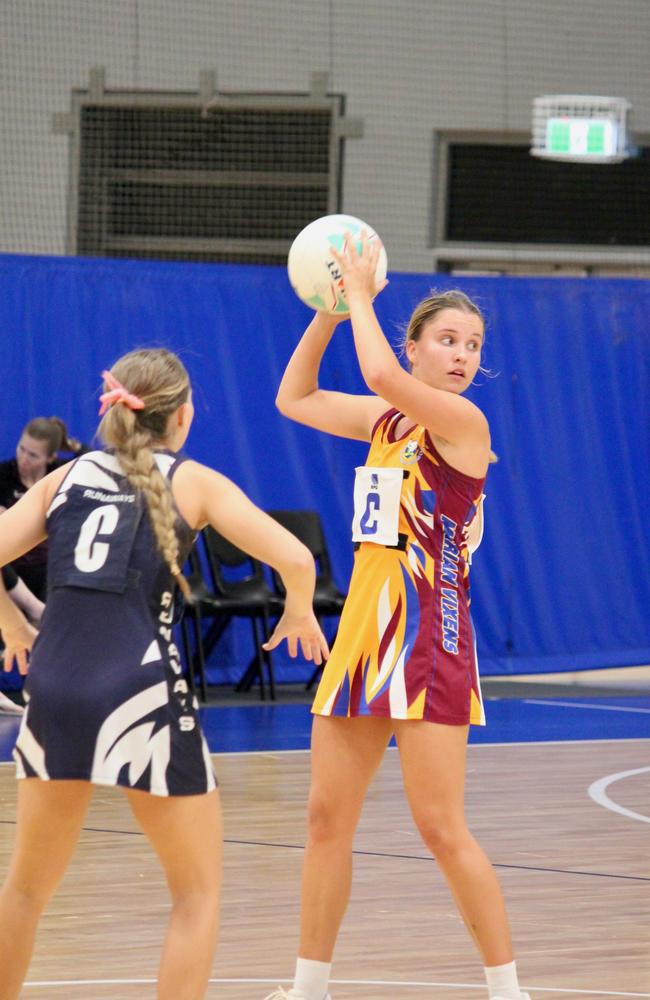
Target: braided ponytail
159, 379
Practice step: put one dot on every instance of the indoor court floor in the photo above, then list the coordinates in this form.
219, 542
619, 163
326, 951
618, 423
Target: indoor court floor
558, 793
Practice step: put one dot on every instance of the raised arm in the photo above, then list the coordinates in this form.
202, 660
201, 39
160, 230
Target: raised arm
205, 497
445, 414
300, 398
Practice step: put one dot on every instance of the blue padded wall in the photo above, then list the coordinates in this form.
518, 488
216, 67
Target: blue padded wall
561, 581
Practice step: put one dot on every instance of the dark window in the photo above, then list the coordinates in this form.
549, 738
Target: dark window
205, 212
502, 194
149, 176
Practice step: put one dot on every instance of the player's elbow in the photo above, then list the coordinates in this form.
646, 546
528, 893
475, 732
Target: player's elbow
303, 561
285, 404
293, 406
379, 379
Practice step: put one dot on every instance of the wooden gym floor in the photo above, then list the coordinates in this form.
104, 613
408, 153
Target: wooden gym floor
566, 824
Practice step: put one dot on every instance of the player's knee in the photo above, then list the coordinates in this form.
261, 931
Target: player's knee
198, 902
442, 836
26, 896
327, 820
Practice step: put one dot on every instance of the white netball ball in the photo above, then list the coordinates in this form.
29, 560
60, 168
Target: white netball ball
313, 271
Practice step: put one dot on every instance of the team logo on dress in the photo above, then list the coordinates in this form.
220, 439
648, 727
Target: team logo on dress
412, 452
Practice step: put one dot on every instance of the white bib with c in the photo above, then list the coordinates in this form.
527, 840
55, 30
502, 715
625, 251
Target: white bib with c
377, 495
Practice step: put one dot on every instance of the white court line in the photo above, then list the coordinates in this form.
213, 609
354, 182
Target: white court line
336, 982
598, 794
577, 704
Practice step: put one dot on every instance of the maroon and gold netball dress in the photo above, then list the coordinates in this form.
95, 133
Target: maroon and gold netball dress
405, 645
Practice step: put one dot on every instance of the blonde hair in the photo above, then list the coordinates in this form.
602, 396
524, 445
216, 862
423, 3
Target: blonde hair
159, 378
428, 309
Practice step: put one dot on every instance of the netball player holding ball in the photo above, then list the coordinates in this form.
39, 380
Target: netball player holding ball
107, 700
403, 662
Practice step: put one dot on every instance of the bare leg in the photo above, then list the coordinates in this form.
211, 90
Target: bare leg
345, 754
187, 835
433, 765
50, 816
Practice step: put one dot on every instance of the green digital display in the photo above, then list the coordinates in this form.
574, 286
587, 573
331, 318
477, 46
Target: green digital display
581, 137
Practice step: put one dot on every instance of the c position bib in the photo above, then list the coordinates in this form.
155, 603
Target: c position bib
377, 495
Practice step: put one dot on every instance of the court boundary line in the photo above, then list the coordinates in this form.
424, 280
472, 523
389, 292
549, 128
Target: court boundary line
232, 841
549, 702
412, 984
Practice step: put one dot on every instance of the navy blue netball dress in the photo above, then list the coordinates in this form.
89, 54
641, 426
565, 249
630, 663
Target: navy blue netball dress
106, 698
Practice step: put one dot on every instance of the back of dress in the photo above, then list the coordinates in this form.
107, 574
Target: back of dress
108, 701
100, 535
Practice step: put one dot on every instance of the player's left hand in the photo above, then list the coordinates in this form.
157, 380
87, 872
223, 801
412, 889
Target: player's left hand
304, 631
18, 641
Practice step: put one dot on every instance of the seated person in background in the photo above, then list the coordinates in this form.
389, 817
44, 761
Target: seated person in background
36, 455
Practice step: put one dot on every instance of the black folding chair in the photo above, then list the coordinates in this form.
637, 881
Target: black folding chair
222, 599
202, 606
328, 599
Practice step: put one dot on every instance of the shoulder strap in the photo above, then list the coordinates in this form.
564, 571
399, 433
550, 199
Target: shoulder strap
383, 419
169, 463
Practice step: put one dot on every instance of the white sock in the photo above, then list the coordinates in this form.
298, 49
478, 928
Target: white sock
311, 979
502, 981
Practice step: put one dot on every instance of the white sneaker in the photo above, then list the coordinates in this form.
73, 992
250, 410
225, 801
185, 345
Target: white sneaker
9, 707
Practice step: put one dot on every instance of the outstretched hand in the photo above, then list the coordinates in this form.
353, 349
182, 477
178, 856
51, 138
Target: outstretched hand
18, 641
304, 630
358, 267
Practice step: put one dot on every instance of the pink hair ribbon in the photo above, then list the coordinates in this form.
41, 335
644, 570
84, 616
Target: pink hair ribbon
117, 393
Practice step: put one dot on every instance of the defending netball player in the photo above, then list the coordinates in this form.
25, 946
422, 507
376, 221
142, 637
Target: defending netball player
108, 703
403, 662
